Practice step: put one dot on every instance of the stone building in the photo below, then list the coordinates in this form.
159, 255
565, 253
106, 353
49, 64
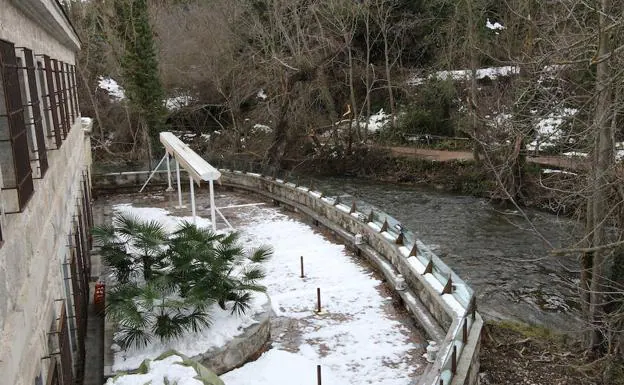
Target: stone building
45, 218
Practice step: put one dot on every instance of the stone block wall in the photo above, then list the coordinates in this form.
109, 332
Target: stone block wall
36, 244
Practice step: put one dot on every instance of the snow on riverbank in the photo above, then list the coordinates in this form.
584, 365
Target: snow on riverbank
353, 340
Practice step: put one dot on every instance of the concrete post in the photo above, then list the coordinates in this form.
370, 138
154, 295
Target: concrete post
169, 188
212, 206
193, 198
180, 206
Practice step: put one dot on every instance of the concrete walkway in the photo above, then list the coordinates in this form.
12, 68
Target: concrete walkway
94, 346
94, 341
445, 155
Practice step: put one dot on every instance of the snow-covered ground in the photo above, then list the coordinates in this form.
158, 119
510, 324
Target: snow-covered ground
548, 129
377, 121
170, 370
465, 74
177, 102
112, 87
354, 338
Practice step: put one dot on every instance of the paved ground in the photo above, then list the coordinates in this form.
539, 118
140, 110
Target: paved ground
94, 347
444, 155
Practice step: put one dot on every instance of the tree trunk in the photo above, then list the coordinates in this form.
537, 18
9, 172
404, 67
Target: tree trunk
603, 161
389, 79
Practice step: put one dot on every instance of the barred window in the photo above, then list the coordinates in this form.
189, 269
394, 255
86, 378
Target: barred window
70, 93
32, 113
59, 97
14, 157
52, 100
45, 106
63, 96
75, 89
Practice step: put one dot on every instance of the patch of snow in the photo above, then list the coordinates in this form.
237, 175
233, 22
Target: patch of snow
575, 154
111, 86
548, 129
466, 74
377, 121
261, 128
261, 94
496, 26
353, 338
169, 370
177, 102
277, 367
551, 171
454, 304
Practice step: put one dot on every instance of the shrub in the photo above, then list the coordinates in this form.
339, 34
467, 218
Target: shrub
164, 284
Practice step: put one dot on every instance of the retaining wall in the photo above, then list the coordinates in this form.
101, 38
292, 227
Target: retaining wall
250, 343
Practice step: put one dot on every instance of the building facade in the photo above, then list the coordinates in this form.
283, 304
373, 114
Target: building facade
45, 216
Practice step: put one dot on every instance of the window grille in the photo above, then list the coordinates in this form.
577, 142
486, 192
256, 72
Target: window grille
70, 93
36, 108
75, 89
45, 106
34, 120
14, 156
52, 100
58, 91
64, 95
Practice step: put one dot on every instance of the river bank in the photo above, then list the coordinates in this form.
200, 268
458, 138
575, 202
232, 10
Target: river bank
546, 189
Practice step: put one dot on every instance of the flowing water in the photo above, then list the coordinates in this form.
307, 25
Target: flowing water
497, 251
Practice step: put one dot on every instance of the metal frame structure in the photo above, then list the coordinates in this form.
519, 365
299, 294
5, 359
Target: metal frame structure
198, 170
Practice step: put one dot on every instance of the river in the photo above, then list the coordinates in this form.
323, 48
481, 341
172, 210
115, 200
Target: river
502, 256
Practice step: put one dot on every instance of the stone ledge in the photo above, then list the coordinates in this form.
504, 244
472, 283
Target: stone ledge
242, 348
220, 360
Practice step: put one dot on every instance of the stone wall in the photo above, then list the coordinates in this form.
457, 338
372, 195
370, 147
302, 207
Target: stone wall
244, 347
31, 262
38, 25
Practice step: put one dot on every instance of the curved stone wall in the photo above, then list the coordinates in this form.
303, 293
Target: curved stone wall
237, 352
437, 298
242, 348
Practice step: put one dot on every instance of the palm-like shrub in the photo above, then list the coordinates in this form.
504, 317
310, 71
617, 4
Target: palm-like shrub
183, 274
130, 246
215, 266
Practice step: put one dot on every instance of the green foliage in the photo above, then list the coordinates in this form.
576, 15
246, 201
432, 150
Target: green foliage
430, 113
139, 64
183, 274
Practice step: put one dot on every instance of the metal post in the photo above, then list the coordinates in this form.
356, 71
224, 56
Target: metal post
302, 267
152, 173
180, 206
169, 188
318, 299
465, 331
454, 360
318, 374
212, 206
193, 198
